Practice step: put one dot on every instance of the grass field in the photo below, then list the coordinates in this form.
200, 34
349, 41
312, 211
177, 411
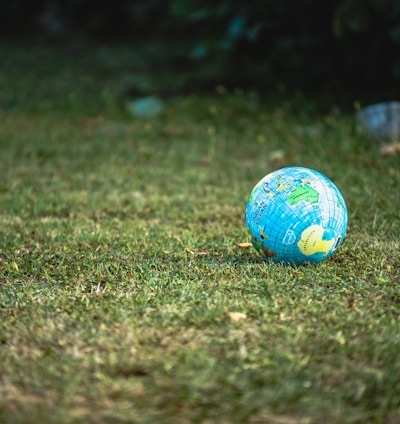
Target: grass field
124, 295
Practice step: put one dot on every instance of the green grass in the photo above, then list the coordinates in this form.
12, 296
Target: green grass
124, 297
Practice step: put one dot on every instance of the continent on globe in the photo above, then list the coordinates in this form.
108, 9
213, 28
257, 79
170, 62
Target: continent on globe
282, 186
262, 249
251, 198
312, 241
268, 252
303, 192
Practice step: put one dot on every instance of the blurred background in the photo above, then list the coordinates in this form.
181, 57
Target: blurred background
261, 44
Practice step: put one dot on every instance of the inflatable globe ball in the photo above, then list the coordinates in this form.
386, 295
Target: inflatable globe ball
296, 215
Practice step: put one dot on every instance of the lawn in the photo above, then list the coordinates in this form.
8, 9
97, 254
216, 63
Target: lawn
124, 295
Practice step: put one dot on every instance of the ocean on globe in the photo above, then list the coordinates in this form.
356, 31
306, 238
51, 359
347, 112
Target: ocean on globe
295, 216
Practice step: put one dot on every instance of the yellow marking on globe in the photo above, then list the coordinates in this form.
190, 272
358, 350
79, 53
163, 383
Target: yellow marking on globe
282, 187
311, 241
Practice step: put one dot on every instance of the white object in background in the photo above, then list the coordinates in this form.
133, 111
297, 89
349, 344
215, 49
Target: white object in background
382, 120
146, 107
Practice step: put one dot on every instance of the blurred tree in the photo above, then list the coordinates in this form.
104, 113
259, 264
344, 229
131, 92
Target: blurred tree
92, 18
259, 40
302, 41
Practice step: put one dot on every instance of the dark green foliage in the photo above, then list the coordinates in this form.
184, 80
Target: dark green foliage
258, 43
302, 42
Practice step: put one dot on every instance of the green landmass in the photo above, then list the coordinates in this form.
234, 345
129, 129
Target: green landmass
303, 192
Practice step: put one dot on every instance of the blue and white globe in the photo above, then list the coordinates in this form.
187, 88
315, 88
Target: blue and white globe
295, 216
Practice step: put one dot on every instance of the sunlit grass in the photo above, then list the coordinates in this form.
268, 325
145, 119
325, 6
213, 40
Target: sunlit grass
124, 295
